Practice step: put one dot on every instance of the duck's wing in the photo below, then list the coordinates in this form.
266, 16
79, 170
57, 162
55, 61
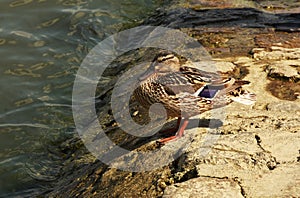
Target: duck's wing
191, 80
195, 75
198, 83
232, 85
176, 82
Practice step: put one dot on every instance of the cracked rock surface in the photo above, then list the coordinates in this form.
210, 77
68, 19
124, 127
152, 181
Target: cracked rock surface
258, 147
204, 186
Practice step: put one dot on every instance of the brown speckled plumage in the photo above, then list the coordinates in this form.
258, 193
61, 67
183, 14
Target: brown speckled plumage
186, 91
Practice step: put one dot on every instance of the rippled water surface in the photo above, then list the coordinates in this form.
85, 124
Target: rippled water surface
42, 44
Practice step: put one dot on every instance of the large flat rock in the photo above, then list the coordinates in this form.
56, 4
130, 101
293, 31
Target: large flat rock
204, 187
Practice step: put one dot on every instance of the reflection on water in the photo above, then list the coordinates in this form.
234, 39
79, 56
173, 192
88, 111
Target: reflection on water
42, 44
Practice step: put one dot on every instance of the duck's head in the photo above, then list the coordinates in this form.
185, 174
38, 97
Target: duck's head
162, 64
166, 63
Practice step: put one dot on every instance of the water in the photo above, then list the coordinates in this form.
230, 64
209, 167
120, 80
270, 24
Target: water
42, 43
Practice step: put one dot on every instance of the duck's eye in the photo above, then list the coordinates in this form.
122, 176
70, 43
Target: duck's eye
167, 58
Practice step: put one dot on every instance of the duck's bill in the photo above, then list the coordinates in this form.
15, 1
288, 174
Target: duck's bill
246, 99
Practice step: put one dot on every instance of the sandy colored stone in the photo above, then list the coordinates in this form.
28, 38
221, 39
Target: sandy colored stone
285, 106
259, 145
204, 187
217, 65
286, 148
285, 68
284, 181
276, 53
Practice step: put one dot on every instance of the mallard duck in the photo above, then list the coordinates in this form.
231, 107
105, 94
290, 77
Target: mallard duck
186, 91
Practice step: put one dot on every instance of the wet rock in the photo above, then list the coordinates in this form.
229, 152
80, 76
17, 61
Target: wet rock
276, 6
229, 17
279, 39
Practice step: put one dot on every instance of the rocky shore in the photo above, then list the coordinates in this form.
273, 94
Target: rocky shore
257, 151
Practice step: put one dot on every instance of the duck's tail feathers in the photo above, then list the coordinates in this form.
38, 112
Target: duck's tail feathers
237, 94
230, 85
246, 98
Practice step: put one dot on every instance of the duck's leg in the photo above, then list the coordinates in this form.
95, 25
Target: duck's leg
173, 129
178, 134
